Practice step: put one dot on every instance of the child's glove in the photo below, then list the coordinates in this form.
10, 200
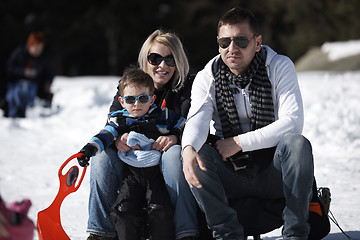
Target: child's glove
88, 150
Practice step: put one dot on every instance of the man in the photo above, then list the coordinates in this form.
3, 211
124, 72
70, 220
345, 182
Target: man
252, 95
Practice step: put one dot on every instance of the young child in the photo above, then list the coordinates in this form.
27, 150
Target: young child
143, 184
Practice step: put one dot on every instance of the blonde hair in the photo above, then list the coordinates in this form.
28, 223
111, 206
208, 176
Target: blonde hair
174, 44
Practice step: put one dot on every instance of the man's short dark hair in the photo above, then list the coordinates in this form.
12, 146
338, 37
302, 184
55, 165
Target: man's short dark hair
239, 15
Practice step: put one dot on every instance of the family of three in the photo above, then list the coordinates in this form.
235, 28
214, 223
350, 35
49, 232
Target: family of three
151, 173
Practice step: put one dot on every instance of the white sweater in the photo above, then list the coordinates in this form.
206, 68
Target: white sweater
288, 106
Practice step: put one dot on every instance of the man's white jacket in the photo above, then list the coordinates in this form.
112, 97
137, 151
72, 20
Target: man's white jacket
288, 106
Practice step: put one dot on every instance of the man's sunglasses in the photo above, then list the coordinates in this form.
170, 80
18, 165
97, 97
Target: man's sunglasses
155, 59
241, 42
143, 98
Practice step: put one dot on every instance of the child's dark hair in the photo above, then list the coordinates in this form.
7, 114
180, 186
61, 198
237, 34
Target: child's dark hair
136, 77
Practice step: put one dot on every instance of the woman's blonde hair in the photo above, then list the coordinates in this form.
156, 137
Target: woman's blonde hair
174, 44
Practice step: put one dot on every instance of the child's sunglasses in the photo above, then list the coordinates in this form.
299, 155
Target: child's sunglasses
155, 59
241, 42
143, 98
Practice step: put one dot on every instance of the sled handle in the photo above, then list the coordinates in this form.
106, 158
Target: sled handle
69, 179
49, 221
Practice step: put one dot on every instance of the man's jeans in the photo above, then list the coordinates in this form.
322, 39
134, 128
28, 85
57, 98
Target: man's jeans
105, 182
290, 176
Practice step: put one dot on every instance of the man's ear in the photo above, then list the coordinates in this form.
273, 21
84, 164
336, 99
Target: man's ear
258, 40
152, 99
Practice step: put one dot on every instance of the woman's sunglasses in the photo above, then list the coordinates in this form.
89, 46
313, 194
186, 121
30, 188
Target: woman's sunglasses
241, 42
155, 59
143, 98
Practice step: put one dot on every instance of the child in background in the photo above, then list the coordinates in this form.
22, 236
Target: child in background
143, 187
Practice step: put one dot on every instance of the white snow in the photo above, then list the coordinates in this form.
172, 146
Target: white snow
32, 149
338, 50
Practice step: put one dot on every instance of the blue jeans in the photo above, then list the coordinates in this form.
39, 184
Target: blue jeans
106, 171
20, 95
290, 175
105, 181
185, 216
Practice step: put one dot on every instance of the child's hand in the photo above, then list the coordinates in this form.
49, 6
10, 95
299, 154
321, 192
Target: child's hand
83, 161
121, 143
136, 147
88, 150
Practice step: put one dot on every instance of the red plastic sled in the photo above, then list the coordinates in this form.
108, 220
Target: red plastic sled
48, 220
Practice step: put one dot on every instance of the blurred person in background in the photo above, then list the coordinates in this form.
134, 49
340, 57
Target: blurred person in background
14, 221
30, 73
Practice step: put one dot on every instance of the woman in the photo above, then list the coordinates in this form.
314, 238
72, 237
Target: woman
162, 56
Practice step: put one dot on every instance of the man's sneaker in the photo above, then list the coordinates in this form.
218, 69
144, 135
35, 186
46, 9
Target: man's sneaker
95, 237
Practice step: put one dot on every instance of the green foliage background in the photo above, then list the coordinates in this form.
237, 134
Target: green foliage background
102, 37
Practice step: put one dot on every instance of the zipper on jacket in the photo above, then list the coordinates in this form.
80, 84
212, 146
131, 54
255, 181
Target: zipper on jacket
245, 100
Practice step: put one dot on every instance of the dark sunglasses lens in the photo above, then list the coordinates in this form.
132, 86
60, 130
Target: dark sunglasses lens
155, 59
241, 42
144, 98
169, 60
224, 42
130, 99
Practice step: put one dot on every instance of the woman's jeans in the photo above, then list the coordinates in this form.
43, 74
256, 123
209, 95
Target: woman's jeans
105, 182
290, 175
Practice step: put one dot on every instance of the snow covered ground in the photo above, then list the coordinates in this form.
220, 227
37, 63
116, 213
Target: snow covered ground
338, 50
33, 149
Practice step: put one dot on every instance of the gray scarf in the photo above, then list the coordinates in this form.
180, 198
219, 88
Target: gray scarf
261, 101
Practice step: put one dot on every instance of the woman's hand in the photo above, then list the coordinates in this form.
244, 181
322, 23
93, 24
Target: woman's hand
164, 142
121, 143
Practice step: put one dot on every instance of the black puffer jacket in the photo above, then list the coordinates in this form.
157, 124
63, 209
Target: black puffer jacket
20, 59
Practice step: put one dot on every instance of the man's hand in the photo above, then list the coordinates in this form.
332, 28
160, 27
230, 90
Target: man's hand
228, 147
190, 159
121, 143
164, 142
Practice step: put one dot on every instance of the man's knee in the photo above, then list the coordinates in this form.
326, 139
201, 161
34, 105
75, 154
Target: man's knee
208, 154
296, 151
295, 140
